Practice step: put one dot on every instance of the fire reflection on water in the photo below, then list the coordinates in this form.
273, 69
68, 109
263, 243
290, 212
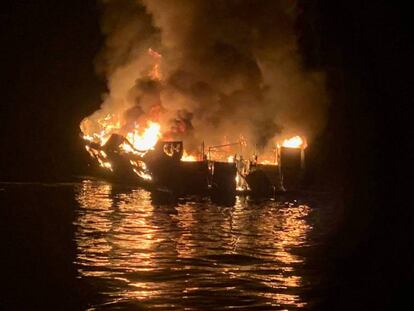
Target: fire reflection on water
182, 255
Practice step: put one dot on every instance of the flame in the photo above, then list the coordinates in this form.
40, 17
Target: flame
155, 73
139, 138
268, 162
88, 138
138, 143
140, 168
142, 174
127, 148
107, 126
294, 142
188, 158
100, 156
107, 165
147, 139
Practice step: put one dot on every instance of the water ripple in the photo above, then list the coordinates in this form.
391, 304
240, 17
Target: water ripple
190, 255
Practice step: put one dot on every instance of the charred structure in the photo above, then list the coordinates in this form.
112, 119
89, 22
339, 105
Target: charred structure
291, 166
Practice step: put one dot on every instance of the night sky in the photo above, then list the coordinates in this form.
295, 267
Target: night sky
49, 84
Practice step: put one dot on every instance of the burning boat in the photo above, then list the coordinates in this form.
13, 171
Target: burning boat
137, 136
161, 165
175, 80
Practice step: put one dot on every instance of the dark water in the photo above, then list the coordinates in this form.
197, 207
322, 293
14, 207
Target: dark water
125, 249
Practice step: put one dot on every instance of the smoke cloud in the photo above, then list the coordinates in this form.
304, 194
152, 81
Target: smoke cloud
208, 71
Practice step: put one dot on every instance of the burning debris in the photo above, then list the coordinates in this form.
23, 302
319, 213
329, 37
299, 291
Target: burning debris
233, 82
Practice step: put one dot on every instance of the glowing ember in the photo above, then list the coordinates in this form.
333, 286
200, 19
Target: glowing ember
142, 174
145, 140
138, 164
106, 165
140, 168
294, 142
100, 156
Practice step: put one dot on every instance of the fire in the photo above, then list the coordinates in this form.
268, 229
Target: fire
88, 138
127, 148
145, 140
100, 156
140, 168
107, 126
268, 162
155, 73
142, 174
143, 136
100, 130
294, 142
188, 158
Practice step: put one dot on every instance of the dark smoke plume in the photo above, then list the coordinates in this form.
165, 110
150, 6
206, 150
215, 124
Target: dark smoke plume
211, 70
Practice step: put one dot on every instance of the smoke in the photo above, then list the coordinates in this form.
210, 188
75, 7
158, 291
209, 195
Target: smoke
208, 71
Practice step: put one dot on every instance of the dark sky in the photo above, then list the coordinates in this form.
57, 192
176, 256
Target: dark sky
48, 84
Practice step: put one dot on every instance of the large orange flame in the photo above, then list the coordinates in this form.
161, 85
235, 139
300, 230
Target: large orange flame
188, 157
147, 139
294, 142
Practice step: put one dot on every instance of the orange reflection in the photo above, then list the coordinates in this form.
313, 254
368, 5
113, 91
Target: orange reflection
162, 255
114, 233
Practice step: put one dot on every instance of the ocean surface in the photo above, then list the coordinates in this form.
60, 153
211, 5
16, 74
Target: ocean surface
94, 245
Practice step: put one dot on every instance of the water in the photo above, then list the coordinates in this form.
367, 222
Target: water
133, 251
